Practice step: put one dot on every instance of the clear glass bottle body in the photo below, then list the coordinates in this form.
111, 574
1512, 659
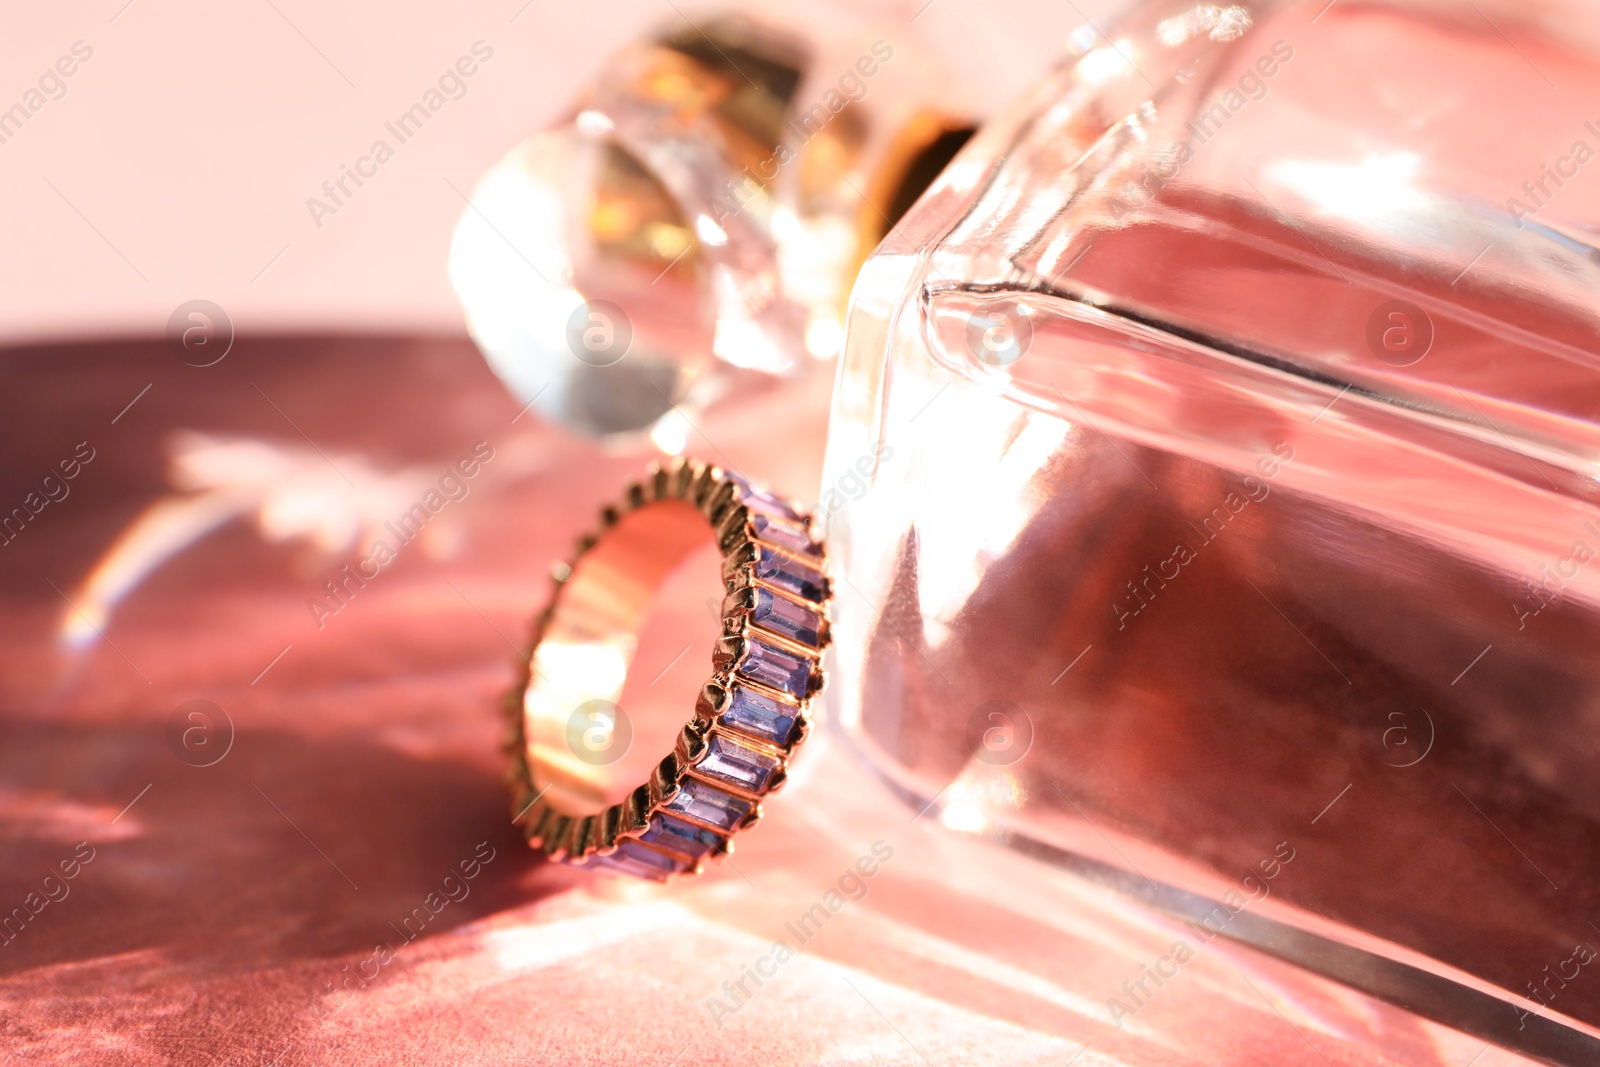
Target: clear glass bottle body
1212, 472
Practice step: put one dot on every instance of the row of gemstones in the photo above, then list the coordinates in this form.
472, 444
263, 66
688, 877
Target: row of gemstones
765, 699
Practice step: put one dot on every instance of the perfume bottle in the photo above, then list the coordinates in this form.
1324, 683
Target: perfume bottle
1212, 489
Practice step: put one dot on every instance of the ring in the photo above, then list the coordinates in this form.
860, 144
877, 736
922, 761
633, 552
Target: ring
750, 716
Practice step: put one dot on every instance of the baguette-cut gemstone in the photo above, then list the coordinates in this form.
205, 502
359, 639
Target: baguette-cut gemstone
780, 616
735, 763
635, 859
679, 836
709, 804
761, 500
761, 716
783, 671
791, 573
790, 535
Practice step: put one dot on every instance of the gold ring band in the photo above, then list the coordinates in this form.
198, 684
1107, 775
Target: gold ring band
750, 716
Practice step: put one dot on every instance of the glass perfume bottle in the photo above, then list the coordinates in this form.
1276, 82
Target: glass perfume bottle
1212, 488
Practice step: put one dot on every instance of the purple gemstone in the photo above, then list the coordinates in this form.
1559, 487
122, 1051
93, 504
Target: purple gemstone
791, 573
679, 836
783, 671
781, 616
709, 804
635, 859
760, 715
790, 535
733, 762
761, 500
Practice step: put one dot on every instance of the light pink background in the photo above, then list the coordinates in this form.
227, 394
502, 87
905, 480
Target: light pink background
194, 136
